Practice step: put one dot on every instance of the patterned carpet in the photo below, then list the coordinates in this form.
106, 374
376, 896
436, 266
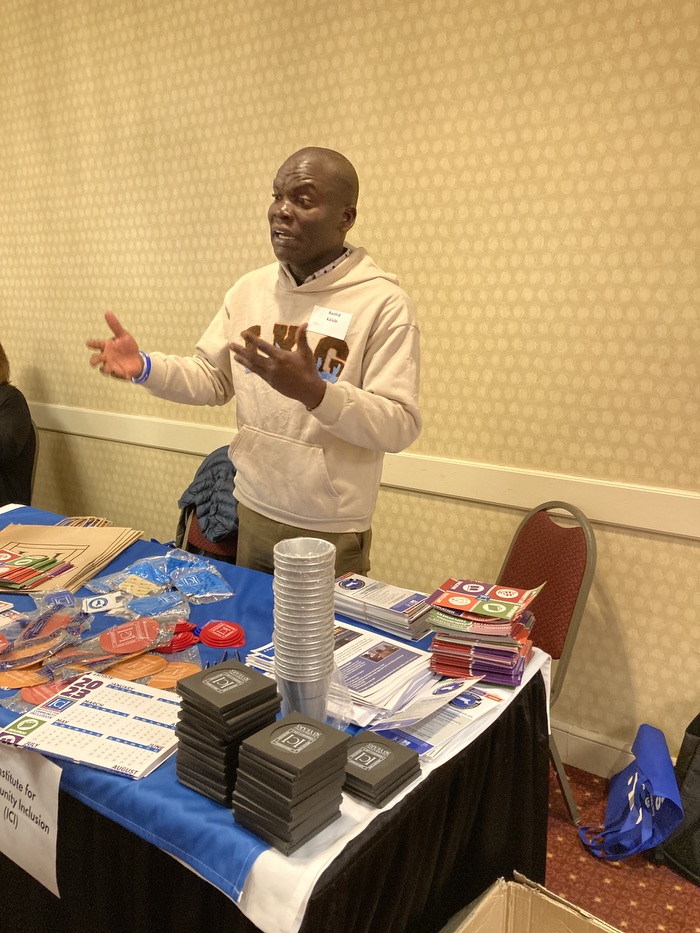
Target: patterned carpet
635, 895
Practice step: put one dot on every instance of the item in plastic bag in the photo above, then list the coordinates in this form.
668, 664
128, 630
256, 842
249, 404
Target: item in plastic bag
145, 576
21, 677
173, 672
177, 560
138, 668
36, 650
73, 620
56, 600
86, 656
202, 585
168, 603
134, 585
131, 637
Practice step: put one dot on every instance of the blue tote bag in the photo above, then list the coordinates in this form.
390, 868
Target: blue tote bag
644, 803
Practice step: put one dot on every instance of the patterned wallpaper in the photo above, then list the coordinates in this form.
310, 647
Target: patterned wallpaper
528, 167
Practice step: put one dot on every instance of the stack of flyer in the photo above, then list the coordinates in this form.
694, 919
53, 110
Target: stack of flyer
390, 608
481, 629
434, 736
378, 675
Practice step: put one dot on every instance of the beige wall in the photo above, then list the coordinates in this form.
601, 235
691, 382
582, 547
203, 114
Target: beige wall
529, 169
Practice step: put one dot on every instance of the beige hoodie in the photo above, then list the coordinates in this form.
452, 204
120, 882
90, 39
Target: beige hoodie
321, 469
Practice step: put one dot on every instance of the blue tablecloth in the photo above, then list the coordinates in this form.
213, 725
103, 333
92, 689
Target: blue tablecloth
474, 818
158, 808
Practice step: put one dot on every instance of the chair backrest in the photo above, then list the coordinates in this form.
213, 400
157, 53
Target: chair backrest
35, 431
194, 540
563, 557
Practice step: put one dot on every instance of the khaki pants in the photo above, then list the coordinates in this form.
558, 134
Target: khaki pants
257, 537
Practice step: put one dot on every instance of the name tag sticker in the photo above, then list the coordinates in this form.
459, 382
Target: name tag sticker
330, 323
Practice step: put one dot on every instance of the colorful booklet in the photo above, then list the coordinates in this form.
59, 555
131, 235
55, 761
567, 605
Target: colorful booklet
464, 598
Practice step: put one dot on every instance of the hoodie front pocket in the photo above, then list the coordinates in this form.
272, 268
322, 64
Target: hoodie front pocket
283, 475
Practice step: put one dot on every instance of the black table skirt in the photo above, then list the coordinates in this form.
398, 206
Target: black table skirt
480, 816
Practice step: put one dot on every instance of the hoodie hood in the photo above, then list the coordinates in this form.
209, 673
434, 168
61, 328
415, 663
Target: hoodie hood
355, 269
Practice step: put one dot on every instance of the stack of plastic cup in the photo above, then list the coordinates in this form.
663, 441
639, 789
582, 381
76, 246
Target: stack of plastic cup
304, 617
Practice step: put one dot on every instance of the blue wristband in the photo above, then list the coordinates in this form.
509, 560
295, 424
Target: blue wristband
145, 372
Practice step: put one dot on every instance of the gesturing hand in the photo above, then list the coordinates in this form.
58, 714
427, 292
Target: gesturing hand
119, 356
290, 372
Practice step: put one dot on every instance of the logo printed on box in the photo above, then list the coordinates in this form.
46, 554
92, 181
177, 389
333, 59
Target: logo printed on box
296, 739
223, 681
369, 756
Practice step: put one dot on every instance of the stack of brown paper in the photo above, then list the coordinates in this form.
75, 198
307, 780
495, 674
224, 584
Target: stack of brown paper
81, 552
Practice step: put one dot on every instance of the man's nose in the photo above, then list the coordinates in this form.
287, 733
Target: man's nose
282, 208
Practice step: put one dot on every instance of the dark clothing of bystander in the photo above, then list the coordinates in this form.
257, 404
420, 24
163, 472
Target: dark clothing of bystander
17, 446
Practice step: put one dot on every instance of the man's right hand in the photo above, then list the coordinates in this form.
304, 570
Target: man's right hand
119, 355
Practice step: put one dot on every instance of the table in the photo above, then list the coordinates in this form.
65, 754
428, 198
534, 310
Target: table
480, 815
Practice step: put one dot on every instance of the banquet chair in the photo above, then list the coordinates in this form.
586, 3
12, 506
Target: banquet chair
564, 557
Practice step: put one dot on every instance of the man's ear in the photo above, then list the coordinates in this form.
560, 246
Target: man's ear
349, 217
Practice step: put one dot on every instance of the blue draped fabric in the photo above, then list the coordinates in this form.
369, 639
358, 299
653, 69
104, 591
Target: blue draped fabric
191, 827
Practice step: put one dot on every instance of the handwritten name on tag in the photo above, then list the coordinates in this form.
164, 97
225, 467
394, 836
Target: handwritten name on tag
330, 323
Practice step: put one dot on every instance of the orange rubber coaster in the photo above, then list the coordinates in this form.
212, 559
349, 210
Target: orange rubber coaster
23, 677
137, 635
171, 673
36, 695
143, 665
33, 651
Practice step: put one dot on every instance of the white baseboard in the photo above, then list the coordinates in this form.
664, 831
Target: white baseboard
589, 751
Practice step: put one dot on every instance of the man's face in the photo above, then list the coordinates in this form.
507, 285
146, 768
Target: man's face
309, 215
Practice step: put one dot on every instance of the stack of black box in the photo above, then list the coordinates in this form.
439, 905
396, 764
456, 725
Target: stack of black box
290, 778
220, 707
378, 768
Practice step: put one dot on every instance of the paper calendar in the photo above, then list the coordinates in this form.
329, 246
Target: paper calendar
104, 722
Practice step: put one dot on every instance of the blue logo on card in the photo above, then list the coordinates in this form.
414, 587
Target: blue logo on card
58, 703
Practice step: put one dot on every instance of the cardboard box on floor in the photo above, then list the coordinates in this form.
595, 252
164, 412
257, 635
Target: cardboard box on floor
521, 906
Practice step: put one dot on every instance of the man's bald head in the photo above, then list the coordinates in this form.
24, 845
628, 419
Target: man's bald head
336, 167
314, 197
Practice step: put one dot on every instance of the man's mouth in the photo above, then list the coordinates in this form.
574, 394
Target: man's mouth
281, 235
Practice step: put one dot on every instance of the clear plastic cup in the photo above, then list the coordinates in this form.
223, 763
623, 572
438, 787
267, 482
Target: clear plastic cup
284, 588
302, 609
304, 550
296, 572
310, 698
301, 671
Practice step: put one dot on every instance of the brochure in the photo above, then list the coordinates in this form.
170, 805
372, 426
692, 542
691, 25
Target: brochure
381, 674
431, 737
385, 606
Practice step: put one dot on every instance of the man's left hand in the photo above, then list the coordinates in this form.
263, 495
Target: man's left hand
290, 372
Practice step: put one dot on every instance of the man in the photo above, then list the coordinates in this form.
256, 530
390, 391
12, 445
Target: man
325, 375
